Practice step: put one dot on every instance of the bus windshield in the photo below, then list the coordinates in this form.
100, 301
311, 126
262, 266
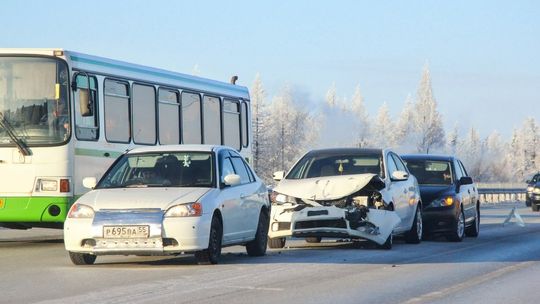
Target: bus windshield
34, 105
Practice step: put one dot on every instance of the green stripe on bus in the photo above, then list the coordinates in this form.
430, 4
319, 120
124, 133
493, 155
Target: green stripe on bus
156, 73
34, 209
96, 153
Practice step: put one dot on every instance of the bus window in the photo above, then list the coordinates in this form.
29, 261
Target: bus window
169, 116
212, 120
245, 124
116, 111
191, 118
86, 108
231, 124
144, 114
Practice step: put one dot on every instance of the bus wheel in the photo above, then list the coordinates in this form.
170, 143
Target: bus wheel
82, 258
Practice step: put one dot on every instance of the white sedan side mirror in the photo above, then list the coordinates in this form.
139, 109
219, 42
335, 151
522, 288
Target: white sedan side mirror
278, 175
400, 175
232, 179
89, 182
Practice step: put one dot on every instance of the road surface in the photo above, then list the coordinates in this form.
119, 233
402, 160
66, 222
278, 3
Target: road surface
500, 266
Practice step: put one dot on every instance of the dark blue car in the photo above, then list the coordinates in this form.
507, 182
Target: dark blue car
450, 199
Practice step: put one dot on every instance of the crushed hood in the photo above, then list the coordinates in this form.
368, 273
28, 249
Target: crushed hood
328, 187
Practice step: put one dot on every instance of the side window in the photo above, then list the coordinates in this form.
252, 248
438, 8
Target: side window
231, 124
169, 116
391, 165
144, 114
459, 170
226, 168
463, 168
245, 124
191, 118
399, 164
116, 111
86, 108
212, 120
240, 169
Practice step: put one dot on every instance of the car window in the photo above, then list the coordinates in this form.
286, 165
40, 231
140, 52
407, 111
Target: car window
459, 170
431, 172
391, 165
226, 168
462, 168
313, 165
241, 170
399, 163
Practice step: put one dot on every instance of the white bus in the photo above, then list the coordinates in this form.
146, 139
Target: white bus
66, 115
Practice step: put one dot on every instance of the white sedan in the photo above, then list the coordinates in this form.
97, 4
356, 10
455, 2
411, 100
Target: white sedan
346, 193
168, 200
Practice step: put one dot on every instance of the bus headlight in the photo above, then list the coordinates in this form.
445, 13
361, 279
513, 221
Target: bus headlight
80, 211
48, 185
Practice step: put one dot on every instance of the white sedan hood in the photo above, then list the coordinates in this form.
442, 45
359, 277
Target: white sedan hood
134, 198
327, 187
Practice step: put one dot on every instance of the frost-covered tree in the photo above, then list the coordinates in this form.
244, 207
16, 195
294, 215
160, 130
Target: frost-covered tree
428, 122
405, 125
383, 128
259, 121
331, 96
471, 153
292, 132
452, 141
360, 118
494, 157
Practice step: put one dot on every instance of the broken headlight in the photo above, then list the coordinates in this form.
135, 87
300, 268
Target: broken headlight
279, 198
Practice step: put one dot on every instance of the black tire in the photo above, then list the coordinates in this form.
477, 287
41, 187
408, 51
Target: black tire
82, 258
459, 228
414, 236
276, 242
388, 244
474, 229
257, 247
534, 207
213, 252
527, 202
314, 239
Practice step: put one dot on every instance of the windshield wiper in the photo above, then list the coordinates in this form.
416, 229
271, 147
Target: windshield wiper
21, 145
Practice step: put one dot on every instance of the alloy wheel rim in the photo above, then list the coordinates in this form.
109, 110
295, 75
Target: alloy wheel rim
419, 224
461, 225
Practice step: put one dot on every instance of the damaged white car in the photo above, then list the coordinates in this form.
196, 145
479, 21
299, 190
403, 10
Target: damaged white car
346, 193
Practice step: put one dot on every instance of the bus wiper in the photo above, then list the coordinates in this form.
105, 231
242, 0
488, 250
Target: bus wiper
21, 145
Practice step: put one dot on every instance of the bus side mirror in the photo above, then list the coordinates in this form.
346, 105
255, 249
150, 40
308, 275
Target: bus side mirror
85, 102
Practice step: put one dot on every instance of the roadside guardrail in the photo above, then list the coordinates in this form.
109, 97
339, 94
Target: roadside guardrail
501, 194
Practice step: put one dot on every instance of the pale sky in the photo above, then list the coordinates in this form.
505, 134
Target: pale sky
484, 56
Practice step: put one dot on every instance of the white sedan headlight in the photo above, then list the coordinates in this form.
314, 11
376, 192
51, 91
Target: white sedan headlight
191, 209
80, 211
279, 198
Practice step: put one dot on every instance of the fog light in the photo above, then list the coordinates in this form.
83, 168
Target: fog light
54, 210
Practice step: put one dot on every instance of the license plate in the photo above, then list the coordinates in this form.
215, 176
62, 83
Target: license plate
119, 232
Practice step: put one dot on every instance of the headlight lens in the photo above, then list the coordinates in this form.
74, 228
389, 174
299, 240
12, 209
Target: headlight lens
444, 201
279, 198
530, 189
536, 190
80, 211
191, 209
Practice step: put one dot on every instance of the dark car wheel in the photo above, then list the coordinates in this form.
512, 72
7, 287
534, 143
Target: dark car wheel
82, 258
314, 239
534, 207
414, 236
459, 228
276, 242
527, 202
474, 229
257, 247
212, 254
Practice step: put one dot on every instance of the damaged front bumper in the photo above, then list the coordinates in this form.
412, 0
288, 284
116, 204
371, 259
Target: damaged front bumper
331, 221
